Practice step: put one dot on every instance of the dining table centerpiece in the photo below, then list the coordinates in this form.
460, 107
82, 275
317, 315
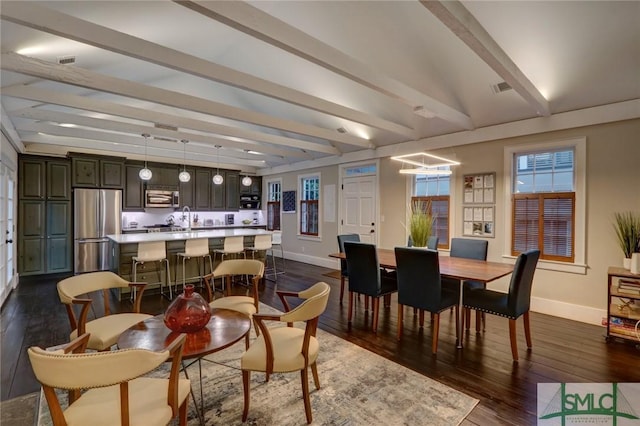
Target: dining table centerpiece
420, 222
188, 312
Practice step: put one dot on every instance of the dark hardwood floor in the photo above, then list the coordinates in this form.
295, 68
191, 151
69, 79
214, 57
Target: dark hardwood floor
563, 350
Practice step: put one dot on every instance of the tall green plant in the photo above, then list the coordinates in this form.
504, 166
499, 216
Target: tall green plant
420, 223
627, 227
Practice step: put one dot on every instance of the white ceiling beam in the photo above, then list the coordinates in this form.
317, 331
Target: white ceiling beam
105, 107
6, 126
91, 80
120, 126
33, 16
463, 24
256, 23
123, 143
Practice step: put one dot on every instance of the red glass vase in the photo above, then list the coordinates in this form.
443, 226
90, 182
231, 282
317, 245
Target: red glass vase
189, 312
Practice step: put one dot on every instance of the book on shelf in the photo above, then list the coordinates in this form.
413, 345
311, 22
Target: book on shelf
629, 283
627, 290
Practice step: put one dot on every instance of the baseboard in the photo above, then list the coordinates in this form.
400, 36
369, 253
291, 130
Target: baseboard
570, 311
313, 260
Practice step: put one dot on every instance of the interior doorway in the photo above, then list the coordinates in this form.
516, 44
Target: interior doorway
7, 230
359, 206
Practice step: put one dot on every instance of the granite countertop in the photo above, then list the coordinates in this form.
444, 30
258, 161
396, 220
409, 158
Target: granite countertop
180, 236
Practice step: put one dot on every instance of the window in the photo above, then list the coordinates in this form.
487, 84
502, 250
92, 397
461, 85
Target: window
309, 205
274, 194
543, 204
434, 192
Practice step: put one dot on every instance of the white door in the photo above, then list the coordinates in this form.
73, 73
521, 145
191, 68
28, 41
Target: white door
359, 207
7, 227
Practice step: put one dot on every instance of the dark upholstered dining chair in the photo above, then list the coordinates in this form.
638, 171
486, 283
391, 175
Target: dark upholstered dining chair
511, 305
343, 263
367, 278
419, 286
467, 248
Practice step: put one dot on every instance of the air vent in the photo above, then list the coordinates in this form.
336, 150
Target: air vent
165, 127
66, 60
501, 87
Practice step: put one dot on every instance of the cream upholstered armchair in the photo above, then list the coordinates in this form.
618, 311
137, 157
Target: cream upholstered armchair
287, 349
226, 270
115, 393
106, 329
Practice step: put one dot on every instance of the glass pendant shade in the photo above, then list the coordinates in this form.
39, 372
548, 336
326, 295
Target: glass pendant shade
218, 179
246, 181
184, 176
188, 312
145, 174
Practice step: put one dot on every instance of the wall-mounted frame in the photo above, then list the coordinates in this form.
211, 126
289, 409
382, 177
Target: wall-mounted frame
478, 210
288, 201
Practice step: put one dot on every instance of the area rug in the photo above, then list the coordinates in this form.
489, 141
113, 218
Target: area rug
358, 387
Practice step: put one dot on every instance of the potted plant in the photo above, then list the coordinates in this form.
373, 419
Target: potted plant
627, 227
420, 223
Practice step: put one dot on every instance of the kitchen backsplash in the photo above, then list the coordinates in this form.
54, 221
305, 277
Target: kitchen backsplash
161, 216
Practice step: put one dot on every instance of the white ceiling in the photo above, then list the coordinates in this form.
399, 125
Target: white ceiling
280, 77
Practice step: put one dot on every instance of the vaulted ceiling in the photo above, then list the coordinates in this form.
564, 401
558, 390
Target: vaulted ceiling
276, 83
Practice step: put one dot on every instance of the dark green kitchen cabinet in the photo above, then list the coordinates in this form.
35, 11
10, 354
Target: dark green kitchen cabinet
218, 199
164, 176
232, 189
187, 189
45, 242
254, 189
133, 196
91, 171
203, 191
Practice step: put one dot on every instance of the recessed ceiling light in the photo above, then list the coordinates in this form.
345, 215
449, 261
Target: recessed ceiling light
30, 50
67, 125
249, 151
341, 130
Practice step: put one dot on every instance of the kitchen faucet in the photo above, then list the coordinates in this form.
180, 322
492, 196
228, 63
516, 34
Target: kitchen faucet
187, 209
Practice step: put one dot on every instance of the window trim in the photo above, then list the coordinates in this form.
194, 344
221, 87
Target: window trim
579, 145
317, 175
430, 198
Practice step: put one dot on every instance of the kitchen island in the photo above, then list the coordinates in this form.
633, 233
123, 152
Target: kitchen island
125, 246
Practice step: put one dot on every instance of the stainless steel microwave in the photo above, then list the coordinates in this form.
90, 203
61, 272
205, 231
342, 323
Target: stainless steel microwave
159, 198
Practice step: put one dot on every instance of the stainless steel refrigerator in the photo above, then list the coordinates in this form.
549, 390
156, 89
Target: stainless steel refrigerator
97, 213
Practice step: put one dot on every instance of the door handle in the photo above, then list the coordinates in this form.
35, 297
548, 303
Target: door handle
8, 241
372, 231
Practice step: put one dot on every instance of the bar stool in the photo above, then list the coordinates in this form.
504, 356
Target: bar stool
198, 248
152, 251
276, 241
232, 245
262, 243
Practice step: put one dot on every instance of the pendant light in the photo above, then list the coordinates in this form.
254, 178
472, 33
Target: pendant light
218, 179
246, 180
184, 175
145, 174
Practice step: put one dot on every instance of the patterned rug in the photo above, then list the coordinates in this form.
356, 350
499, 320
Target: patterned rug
358, 387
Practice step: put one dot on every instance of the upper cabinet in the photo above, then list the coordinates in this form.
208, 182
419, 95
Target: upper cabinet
164, 176
133, 196
254, 189
187, 189
92, 171
31, 177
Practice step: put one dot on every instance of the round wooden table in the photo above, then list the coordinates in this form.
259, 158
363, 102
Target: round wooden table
225, 328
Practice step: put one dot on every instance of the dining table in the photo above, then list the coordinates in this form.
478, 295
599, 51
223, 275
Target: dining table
458, 268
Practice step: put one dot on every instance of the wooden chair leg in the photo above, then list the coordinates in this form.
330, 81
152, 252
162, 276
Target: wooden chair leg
350, 314
514, 341
467, 318
366, 303
415, 311
421, 318
182, 412
316, 378
304, 376
387, 300
436, 330
376, 308
246, 375
527, 329
341, 289
478, 320
400, 315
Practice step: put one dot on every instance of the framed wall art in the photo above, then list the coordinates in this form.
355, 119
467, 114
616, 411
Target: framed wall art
478, 207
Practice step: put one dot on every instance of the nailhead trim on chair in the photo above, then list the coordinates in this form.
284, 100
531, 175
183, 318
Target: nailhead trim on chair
490, 312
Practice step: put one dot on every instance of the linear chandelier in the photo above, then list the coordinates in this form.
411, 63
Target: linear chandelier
425, 164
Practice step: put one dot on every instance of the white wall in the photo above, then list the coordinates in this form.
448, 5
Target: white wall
613, 184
